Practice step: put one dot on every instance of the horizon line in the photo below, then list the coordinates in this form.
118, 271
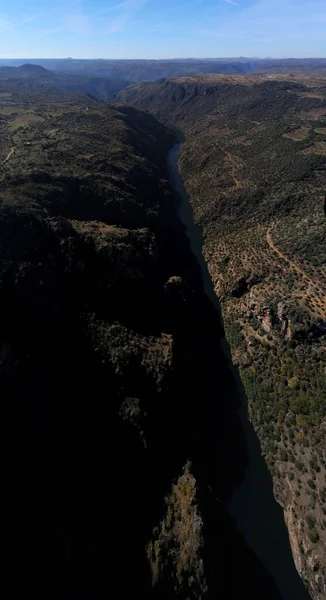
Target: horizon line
187, 58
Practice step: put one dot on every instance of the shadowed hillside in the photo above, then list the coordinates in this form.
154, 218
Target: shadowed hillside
118, 447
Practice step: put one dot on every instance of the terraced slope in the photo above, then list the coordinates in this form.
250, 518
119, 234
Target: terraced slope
254, 166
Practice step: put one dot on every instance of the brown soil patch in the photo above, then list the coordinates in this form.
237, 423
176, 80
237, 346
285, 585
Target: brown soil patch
25, 120
316, 148
9, 110
315, 113
318, 95
51, 132
239, 140
297, 135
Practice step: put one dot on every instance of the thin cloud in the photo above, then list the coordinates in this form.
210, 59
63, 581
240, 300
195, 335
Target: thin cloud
231, 2
112, 8
51, 30
266, 22
29, 19
52, 11
35, 17
72, 20
129, 9
78, 24
167, 13
5, 25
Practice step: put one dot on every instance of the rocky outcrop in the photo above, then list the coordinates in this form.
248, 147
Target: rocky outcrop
178, 541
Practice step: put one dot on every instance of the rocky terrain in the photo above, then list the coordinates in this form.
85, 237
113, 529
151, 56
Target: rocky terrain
116, 464
254, 165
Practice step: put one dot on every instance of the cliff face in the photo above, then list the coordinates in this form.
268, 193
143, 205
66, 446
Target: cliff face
253, 163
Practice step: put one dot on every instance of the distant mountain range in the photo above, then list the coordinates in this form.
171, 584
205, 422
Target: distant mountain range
101, 88
149, 70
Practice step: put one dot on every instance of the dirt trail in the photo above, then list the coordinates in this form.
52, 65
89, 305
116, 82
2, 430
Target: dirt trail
234, 166
8, 157
316, 292
281, 255
233, 170
292, 503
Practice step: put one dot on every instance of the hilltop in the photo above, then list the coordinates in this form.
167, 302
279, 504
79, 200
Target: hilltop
254, 165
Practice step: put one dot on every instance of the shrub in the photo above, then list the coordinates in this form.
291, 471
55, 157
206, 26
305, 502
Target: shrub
313, 535
310, 522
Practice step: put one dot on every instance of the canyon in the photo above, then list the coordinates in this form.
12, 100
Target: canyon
253, 165
150, 296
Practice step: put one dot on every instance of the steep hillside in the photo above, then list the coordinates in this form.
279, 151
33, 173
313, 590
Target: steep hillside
113, 455
254, 166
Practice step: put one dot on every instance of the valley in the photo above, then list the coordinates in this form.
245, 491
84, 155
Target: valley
253, 498
163, 333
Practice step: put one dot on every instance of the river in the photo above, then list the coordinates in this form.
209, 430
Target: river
252, 506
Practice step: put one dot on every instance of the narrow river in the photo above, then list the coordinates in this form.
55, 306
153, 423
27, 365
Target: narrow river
253, 507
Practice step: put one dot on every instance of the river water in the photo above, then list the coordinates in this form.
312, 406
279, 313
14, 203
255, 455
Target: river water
253, 507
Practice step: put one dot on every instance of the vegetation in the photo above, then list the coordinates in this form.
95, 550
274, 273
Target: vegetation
254, 166
86, 363
105, 335
178, 542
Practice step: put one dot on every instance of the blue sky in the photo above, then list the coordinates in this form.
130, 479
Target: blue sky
162, 28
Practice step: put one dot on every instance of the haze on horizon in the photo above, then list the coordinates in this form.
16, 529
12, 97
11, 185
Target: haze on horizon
162, 28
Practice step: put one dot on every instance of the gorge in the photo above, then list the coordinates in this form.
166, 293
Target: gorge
253, 165
128, 460
252, 502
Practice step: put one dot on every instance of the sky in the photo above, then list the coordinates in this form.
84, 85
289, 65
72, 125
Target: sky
162, 28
